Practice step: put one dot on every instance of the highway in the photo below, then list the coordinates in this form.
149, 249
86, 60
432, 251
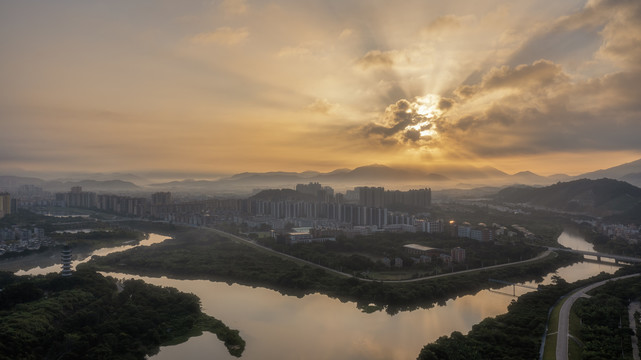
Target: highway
563, 331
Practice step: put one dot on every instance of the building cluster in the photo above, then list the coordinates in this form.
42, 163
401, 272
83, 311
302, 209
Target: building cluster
478, 233
118, 204
327, 209
378, 197
425, 254
31, 196
306, 236
16, 239
321, 193
631, 233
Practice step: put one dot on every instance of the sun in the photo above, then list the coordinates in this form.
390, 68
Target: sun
427, 108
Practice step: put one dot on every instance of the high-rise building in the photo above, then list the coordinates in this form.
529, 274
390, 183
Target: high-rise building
5, 204
161, 198
77, 198
371, 196
458, 255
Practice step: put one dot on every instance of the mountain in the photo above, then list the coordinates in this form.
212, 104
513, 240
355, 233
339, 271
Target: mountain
377, 174
528, 177
282, 195
603, 197
560, 177
616, 172
12, 183
634, 179
93, 185
9, 182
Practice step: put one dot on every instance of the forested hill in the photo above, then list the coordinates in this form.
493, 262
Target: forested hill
86, 316
603, 197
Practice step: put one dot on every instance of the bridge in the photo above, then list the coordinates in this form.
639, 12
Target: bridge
514, 285
598, 255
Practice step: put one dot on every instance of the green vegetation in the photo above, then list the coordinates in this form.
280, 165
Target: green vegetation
87, 316
602, 320
596, 197
202, 254
363, 255
25, 218
514, 335
517, 334
98, 238
609, 245
545, 225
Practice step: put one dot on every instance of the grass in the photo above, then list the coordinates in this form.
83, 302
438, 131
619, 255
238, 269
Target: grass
549, 352
574, 349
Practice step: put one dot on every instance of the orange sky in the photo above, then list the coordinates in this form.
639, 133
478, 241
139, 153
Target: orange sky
237, 85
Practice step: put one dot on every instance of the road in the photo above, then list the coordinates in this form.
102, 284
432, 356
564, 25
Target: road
563, 331
254, 244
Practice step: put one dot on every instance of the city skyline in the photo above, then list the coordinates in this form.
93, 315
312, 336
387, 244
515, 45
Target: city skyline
231, 86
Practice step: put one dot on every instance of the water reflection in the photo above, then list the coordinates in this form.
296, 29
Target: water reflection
574, 241
53, 257
318, 327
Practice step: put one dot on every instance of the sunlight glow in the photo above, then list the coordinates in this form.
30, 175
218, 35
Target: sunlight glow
427, 107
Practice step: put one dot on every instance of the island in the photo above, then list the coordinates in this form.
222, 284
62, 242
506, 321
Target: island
210, 254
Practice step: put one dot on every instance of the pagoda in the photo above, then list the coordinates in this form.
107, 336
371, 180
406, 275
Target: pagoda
65, 256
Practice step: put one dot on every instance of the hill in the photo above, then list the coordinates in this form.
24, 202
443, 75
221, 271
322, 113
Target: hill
282, 195
12, 183
615, 172
602, 197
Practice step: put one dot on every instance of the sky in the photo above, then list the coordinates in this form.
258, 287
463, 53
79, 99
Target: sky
228, 86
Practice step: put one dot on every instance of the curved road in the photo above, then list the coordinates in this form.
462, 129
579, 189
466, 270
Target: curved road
563, 334
252, 243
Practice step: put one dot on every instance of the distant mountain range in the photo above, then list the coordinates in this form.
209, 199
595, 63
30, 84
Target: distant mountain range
602, 197
399, 177
436, 177
13, 183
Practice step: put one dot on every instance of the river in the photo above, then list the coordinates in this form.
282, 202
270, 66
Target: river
315, 326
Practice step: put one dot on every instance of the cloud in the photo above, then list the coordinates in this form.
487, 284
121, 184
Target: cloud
540, 74
445, 104
446, 22
294, 51
234, 7
405, 122
222, 36
346, 34
622, 34
321, 106
376, 58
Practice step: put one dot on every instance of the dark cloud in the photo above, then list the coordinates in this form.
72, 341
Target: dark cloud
445, 104
540, 74
400, 123
412, 135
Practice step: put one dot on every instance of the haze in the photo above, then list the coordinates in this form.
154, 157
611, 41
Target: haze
231, 86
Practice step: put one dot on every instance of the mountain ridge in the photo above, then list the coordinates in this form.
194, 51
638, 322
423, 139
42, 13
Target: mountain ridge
438, 176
